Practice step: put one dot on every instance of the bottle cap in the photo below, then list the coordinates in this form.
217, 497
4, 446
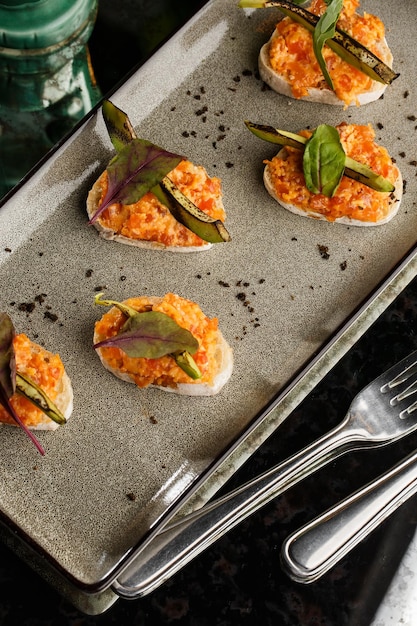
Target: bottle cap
27, 24
33, 33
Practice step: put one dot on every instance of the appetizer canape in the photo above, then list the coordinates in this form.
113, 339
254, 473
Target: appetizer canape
165, 342
35, 390
151, 198
338, 174
328, 53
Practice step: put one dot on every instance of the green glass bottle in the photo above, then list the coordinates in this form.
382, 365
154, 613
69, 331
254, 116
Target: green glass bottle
46, 80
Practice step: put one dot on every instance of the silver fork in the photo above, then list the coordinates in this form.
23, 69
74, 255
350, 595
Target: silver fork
380, 414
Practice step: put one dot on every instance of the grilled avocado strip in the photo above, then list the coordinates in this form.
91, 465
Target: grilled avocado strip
26, 387
342, 44
353, 169
121, 132
188, 214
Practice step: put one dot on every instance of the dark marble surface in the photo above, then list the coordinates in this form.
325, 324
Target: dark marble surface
239, 580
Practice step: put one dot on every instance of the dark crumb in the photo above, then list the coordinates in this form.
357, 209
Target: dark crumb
153, 419
380, 125
236, 79
241, 296
185, 133
223, 283
229, 164
100, 288
12, 303
199, 276
28, 307
173, 108
261, 281
131, 496
412, 118
294, 239
40, 253
201, 111
402, 154
414, 163
40, 298
50, 316
89, 273
343, 265
35, 467
324, 251
247, 73
406, 93
7, 249
311, 286
122, 278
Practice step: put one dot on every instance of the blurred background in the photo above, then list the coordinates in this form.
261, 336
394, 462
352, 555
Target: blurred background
58, 59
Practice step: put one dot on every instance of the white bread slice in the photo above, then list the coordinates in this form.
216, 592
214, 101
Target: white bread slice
63, 400
93, 201
224, 368
281, 85
394, 202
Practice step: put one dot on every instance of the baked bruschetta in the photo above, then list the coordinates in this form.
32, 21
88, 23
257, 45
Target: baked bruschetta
35, 390
368, 192
164, 342
357, 61
151, 198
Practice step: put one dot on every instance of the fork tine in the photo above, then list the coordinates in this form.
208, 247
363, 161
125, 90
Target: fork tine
402, 377
406, 393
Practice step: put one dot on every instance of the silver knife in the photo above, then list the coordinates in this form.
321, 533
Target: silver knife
314, 549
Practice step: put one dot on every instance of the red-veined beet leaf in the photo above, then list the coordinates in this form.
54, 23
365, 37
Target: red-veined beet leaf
8, 375
137, 167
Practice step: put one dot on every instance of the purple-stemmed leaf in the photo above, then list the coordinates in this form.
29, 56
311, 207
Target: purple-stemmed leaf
139, 166
8, 374
7, 358
150, 335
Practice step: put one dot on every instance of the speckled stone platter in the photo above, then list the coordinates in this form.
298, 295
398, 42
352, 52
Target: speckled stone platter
128, 460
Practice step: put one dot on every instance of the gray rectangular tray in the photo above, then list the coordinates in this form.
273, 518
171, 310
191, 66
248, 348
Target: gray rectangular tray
128, 461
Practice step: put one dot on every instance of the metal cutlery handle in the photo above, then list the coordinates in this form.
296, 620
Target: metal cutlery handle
315, 548
178, 543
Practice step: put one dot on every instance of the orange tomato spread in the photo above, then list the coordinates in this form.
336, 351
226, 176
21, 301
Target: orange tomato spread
162, 371
149, 220
44, 369
291, 53
352, 199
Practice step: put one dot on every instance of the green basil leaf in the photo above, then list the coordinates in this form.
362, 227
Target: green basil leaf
325, 29
150, 335
323, 161
138, 166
